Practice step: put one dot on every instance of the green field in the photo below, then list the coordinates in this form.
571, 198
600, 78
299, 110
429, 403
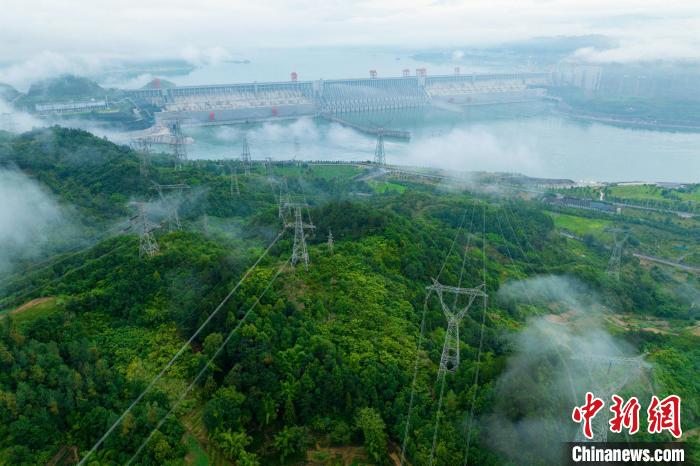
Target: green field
581, 226
382, 187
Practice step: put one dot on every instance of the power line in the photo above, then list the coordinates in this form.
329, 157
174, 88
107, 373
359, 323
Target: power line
62, 256
481, 339
449, 360
421, 334
207, 365
85, 264
179, 352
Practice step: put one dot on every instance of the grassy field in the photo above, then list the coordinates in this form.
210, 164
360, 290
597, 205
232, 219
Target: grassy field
33, 309
580, 225
326, 172
382, 187
649, 192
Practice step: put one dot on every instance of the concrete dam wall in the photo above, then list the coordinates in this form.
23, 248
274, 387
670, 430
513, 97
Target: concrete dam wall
214, 104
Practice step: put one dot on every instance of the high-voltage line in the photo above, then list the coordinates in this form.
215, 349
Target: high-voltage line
475, 383
613, 269
44, 285
454, 313
208, 364
22, 274
421, 333
182, 349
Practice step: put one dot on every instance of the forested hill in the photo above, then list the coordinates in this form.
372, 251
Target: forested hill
317, 366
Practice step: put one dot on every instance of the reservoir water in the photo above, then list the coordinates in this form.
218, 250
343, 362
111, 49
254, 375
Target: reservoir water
528, 138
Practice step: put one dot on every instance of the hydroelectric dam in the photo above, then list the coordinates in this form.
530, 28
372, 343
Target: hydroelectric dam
248, 102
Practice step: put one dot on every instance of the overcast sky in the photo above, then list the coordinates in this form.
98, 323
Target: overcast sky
56, 34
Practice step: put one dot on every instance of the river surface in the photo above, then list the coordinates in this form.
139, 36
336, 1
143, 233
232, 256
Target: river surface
524, 138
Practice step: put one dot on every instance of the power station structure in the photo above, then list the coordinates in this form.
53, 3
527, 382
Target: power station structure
216, 104
619, 240
454, 313
295, 210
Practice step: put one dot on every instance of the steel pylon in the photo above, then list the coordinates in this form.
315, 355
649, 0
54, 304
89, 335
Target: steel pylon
449, 360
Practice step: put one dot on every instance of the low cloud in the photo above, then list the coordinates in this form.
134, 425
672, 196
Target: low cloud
205, 56
473, 149
639, 51
16, 121
50, 64
30, 218
557, 358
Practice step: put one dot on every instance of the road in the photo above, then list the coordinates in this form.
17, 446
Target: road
659, 260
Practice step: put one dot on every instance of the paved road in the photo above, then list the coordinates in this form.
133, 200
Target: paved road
660, 260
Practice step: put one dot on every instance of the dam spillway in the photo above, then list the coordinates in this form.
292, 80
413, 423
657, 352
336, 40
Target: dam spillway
231, 103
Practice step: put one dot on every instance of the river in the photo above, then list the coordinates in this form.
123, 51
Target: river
526, 138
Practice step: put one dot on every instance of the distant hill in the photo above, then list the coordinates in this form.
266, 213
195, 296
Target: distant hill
67, 87
8, 92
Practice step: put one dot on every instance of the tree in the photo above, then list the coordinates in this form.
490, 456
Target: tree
233, 444
290, 441
223, 411
372, 426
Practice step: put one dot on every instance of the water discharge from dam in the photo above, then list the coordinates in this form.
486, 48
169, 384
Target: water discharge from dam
528, 138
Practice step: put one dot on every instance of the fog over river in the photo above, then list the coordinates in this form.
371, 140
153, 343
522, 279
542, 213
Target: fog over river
526, 138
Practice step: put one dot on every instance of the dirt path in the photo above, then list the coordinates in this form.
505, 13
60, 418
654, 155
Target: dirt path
27, 305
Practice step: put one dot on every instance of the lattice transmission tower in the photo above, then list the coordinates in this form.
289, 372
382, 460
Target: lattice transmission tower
449, 361
619, 240
295, 210
609, 375
148, 246
245, 154
234, 183
330, 241
379, 153
178, 142
143, 149
171, 204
